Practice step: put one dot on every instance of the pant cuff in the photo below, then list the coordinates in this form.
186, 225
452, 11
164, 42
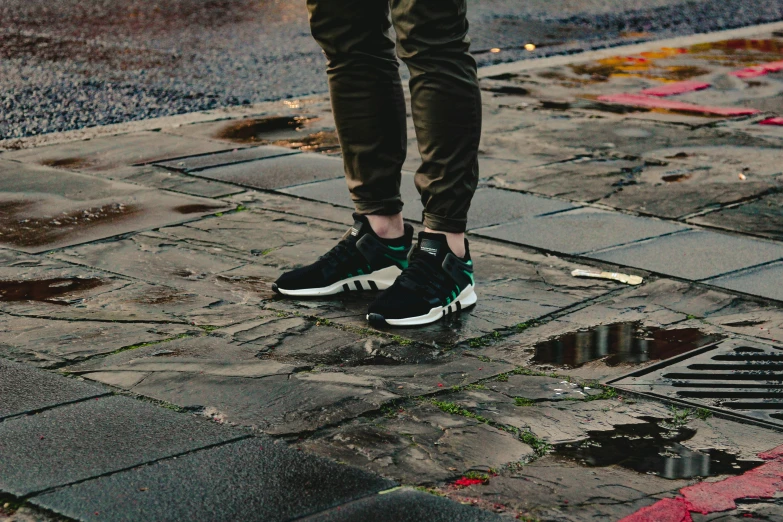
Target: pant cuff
384, 207
444, 224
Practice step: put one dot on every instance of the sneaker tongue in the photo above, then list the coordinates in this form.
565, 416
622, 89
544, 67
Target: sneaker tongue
360, 226
433, 244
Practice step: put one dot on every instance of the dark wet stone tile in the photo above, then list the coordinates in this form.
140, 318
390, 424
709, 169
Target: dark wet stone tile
587, 179
763, 281
51, 343
207, 161
79, 441
104, 154
26, 389
418, 443
684, 183
43, 208
552, 489
763, 217
535, 388
277, 404
406, 506
255, 479
700, 254
580, 230
278, 172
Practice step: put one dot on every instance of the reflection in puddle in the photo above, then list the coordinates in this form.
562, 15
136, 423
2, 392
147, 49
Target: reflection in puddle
324, 141
275, 131
45, 290
654, 449
620, 343
19, 230
253, 130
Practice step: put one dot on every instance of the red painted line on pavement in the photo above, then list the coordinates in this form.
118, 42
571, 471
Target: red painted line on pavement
772, 121
764, 481
666, 510
676, 88
640, 100
758, 70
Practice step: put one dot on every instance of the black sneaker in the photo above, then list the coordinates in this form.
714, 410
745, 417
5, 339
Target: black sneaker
360, 261
435, 284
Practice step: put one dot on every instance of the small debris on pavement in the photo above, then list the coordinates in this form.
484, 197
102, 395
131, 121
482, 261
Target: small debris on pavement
614, 276
742, 176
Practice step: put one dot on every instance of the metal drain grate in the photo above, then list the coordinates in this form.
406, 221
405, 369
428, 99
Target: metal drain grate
738, 379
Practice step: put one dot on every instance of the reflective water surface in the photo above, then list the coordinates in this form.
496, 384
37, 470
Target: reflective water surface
620, 343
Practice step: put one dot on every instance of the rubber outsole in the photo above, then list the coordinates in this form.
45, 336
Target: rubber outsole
465, 300
378, 280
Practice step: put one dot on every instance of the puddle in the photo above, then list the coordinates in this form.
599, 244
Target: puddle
620, 343
67, 163
637, 67
653, 449
675, 178
325, 142
45, 290
254, 130
18, 230
196, 208
738, 53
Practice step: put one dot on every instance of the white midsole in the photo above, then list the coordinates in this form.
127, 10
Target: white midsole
466, 298
383, 279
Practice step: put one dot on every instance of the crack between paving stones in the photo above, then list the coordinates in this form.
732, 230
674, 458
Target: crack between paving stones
66, 403
146, 463
92, 320
732, 272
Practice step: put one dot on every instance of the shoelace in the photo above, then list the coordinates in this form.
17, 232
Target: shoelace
339, 252
422, 273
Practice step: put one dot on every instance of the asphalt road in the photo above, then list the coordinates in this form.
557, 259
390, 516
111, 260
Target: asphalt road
69, 64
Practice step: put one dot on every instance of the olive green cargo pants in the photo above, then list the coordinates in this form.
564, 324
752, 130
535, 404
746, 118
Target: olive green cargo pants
369, 105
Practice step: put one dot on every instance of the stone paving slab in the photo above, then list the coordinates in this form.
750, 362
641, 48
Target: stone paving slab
405, 506
157, 177
25, 389
45, 208
278, 172
336, 192
766, 281
105, 154
579, 231
53, 343
489, 206
220, 159
699, 254
761, 217
82, 440
255, 479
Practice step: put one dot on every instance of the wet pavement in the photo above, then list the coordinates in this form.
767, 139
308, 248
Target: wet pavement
141, 264
74, 64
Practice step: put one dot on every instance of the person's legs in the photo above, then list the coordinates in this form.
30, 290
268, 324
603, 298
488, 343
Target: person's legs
369, 111
367, 99
446, 105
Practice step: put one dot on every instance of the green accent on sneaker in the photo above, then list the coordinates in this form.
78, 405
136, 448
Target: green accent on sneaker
453, 295
359, 272
448, 301
400, 248
470, 275
402, 263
